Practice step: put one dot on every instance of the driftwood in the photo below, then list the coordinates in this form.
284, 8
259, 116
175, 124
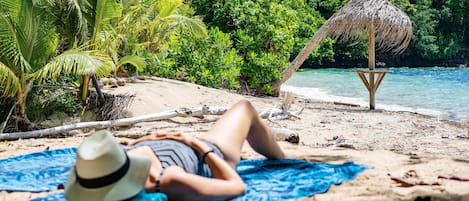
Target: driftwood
182, 112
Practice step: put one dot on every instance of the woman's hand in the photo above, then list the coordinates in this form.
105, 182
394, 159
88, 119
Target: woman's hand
186, 139
189, 140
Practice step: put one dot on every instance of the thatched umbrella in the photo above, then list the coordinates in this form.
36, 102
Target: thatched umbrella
388, 28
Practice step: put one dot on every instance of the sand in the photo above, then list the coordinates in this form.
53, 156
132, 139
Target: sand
393, 144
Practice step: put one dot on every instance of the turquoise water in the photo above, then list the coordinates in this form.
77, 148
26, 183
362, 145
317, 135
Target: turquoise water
437, 91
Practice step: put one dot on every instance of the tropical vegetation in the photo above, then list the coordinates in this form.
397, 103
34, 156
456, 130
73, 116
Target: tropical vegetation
236, 44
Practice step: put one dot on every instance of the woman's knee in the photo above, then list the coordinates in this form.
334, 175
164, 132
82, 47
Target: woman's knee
245, 105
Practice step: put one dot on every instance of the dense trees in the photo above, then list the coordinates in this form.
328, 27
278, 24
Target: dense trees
28, 45
266, 33
225, 43
440, 31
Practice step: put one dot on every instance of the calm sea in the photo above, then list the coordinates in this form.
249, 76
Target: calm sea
437, 91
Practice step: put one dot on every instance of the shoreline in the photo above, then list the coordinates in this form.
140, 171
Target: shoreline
342, 86
393, 143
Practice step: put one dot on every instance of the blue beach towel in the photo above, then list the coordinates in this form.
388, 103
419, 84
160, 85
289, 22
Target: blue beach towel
283, 179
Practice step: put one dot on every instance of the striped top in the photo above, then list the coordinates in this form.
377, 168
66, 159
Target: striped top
171, 152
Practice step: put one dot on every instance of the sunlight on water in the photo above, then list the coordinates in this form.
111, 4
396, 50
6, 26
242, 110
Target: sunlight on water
440, 92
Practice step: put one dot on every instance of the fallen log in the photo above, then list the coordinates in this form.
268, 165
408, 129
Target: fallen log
182, 112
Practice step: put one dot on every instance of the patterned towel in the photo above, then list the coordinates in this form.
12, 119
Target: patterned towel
284, 179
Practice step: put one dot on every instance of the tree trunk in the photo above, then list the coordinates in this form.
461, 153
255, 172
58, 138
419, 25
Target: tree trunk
22, 95
83, 95
21, 118
300, 58
371, 64
98, 90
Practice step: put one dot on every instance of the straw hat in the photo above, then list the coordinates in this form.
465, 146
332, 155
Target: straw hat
104, 172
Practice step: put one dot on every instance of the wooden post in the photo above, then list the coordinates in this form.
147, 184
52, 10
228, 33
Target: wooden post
371, 64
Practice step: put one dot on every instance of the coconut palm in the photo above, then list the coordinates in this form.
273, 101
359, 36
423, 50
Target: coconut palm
28, 44
105, 24
388, 28
91, 19
153, 22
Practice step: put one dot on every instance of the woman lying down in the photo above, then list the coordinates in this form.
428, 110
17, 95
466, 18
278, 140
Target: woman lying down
178, 165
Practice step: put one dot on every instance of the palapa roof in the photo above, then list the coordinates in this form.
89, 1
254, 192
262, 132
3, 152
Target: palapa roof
392, 27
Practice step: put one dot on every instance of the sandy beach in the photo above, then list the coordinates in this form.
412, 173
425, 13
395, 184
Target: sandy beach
411, 148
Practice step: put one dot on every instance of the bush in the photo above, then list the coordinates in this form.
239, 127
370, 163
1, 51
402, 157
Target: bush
266, 33
45, 101
207, 61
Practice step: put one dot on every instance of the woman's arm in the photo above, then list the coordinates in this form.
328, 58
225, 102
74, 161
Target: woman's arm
140, 139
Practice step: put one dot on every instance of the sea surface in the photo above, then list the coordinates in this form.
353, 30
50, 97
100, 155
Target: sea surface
442, 92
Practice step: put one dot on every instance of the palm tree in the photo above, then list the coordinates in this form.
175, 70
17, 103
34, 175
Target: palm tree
90, 23
152, 23
28, 45
105, 24
388, 27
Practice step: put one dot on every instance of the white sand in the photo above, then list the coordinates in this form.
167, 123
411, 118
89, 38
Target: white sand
393, 143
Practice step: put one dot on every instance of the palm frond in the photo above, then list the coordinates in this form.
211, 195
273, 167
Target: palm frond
168, 7
12, 7
10, 51
38, 37
161, 29
136, 61
76, 61
104, 11
9, 82
193, 25
75, 6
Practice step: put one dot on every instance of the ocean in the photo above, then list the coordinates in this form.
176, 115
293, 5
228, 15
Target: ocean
441, 92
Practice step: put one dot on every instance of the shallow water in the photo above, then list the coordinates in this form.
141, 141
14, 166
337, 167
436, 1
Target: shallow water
437, 91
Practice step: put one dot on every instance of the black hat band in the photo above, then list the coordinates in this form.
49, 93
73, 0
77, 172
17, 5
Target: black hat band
107, 179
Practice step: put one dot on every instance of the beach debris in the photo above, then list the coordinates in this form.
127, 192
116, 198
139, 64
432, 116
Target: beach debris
121, 81
452, 177
283, 134
324, 122
339, 141
346, 104
114, 106
463, 136
410, 179
336, 139
183, 112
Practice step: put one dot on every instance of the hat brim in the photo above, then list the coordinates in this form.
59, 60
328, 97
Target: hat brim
128, 186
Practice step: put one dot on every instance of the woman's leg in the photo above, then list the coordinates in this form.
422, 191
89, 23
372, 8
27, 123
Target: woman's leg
241, 122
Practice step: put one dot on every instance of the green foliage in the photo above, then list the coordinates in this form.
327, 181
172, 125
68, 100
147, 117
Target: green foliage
211, 61
272, 27
438, 27
327, 7
324, 51
266, 33
308, 23
425, 38
44, 101
28, 45
262, 69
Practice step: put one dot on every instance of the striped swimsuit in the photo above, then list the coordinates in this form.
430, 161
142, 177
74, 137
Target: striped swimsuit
171, 152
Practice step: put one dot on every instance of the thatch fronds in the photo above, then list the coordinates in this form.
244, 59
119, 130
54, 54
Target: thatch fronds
114, 106
392, 27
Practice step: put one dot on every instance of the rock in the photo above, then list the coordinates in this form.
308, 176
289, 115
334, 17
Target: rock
113, 82
121, 82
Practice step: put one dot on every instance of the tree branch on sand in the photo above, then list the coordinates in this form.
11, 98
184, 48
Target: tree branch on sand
274, 114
